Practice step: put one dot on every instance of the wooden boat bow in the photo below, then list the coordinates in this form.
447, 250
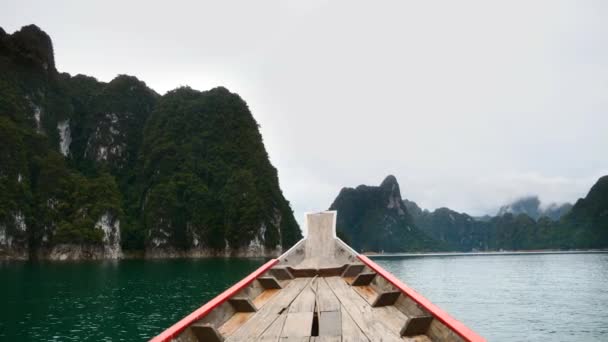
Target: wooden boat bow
319, 290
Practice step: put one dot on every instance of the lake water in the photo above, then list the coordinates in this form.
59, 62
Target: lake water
504, 298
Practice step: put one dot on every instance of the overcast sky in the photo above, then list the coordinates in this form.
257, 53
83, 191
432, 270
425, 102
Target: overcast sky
470, 104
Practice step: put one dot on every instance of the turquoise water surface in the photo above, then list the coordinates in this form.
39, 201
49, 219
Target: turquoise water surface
504, 298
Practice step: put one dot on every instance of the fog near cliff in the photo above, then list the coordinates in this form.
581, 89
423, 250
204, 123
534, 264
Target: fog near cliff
470, 104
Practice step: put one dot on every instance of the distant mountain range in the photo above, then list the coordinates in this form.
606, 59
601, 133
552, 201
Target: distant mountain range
521, 225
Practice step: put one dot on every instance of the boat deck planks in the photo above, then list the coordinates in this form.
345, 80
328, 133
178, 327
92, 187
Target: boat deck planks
232, 324
264, 297
302, 296
326, 299
370, 320
254, 327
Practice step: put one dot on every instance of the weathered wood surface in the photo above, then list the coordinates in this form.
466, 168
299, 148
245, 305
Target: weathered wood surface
235, 322
363, 279
242, 304
273, 333
264, 297
270, 312
297, 324
367, 293
269, 282
326, 299
330, 323
386, 298
305, 301
419, 338
350, 330
320, 246
325, 339
321, 292
416, 326
372, 321
206, 332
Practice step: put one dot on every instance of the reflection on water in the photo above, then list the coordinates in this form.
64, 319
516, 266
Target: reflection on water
561, 297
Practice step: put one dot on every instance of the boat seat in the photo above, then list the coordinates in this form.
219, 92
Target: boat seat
352, 270
270, 282
363, 279
281, 273
206, 333
242, 304
416, 326
386, 298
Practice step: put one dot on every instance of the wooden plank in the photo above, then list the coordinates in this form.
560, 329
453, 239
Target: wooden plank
410, 308
439, 332
297, 324
242, 304
367, 292
326, 339
350, 330
386, 298
305, 302
269, 282
219, 315
273, 333
363, 279
295, 339
361, 312
352, 270
416, 326
320, 246
281, 273
330, 323
326, 299
256, 325
391, 317
419, 338
205, 332
264, 297
235, 322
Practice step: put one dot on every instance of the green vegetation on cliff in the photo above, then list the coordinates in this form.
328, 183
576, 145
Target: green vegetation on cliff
366, 212
584, 226
93, 163
374, 219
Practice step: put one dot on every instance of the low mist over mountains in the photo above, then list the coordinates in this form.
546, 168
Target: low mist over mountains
522, 225
90, 169
531, 206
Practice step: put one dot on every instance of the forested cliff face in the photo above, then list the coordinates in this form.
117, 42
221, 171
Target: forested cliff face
91, 169
374, 219
557, 227
363, 217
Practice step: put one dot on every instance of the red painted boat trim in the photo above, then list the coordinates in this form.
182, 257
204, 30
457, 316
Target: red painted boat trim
459, 328
180, 326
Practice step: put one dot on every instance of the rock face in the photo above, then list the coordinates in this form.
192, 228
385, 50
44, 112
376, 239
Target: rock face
457, 231
587, 222
374, 219
213, 195
89, 169
531, 207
